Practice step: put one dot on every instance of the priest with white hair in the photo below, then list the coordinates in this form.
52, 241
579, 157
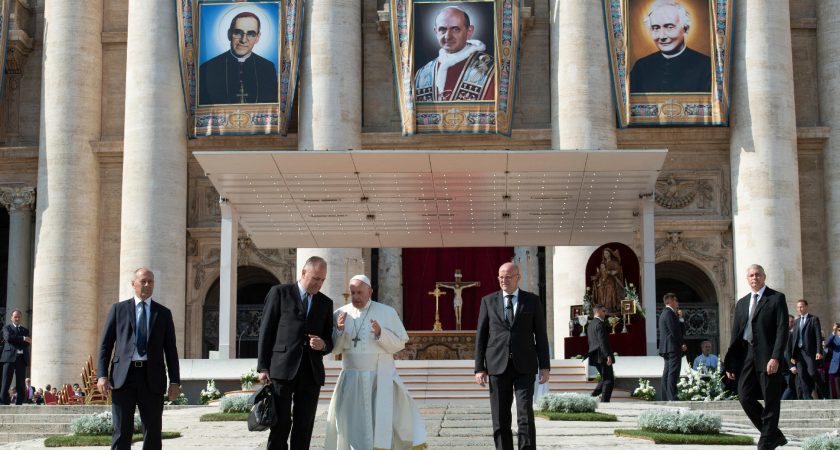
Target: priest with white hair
370, 407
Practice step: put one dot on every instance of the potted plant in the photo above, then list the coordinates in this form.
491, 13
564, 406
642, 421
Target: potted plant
249, 379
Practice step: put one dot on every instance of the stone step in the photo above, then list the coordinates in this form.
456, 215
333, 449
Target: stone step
7, 438
35, 427
53, 409
42, 418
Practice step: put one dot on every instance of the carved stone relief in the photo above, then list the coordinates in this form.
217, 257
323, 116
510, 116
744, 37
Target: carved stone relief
712, 252
693, 192
204, 204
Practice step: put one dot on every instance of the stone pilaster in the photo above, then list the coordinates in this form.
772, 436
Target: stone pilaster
828, 64
582, 117
390, 278
763, 154
331, 110
19, 201
154, 192
67, 234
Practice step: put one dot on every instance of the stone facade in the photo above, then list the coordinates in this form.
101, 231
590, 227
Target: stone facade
87, 91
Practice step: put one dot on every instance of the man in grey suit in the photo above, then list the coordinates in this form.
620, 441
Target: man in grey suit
511, 344
671, 346
600, 353
807, 352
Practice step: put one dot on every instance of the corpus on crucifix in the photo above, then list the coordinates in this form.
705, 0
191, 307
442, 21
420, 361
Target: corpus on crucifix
457, 286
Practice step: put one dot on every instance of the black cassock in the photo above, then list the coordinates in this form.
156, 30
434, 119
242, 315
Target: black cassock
691, 71
224, 79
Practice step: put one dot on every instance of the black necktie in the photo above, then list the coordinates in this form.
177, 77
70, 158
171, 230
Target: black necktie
305, 304
142, 331
508, 308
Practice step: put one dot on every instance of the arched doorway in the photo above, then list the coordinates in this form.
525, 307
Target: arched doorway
698, 300
253, 284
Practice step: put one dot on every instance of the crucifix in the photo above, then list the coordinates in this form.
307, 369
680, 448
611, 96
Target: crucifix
437, 293
241, 93
355, 341
457, 286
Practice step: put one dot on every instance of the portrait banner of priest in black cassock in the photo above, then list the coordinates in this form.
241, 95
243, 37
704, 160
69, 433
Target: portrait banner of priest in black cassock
239, 64
670, 60
455, 64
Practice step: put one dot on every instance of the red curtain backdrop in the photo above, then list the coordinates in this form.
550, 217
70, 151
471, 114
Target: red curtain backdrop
422, 267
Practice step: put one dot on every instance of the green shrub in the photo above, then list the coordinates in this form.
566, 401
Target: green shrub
97, 424
827, 441
680, 421
567, 403
236, 403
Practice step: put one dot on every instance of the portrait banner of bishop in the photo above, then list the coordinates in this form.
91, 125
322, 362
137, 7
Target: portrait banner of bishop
670, 60
455, 64
239, 64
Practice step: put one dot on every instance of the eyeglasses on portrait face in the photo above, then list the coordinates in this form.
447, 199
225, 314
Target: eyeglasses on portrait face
236, 33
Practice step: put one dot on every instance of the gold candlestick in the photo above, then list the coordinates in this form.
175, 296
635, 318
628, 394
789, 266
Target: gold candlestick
437, 293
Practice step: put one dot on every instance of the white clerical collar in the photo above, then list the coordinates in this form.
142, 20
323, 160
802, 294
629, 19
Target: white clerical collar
447, 60
241, 59
674, 55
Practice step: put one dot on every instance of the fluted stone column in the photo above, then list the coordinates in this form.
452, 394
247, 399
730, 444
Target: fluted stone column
390, 279
765, 173
331, 109
828, 64
331, 76
154, 190
19, 201
67, 233
582, 117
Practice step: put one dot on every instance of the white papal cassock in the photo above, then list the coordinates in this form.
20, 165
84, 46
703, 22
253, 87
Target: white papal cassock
370, 407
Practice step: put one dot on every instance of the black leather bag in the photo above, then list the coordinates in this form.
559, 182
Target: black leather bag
262, 415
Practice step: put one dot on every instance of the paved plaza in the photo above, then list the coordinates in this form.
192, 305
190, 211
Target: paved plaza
450, 426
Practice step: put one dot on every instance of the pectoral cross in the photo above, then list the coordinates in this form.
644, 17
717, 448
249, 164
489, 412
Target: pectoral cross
241, 93
355, 341
437, 293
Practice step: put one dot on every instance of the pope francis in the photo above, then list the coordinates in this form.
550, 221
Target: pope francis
370, 407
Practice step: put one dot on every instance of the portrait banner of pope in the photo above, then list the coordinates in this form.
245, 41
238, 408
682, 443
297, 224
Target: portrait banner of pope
239, 59
455, 64
670, 60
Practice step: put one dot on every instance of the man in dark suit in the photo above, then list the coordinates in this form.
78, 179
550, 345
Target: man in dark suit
671, 346
600, 353
140, 333
807, 351
511, 345
295, 334
15, 358
788, 370
759, 336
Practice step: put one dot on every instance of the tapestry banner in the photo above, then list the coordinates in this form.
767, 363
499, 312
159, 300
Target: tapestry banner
239, 64
455, 64
670, 60
5, 6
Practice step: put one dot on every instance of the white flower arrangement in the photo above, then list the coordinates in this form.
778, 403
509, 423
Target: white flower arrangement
234, 403
681, 421
645, 391
180, 400
567, 403
703, 386
826, 441
97, 424
249, 378
209, 393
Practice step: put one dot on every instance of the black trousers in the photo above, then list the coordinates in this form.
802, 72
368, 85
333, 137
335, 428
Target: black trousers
135, 393
503, 389
753, 385
809, 378
670, 375
17, 368
304, 391
605, 386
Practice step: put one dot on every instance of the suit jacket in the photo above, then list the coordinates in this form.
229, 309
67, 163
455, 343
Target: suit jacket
283, 345
526, 338
812, 337
599, 342
118, 336
13, 336
670, 332
769, 328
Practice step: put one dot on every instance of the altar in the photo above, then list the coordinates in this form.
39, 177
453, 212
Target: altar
450, 344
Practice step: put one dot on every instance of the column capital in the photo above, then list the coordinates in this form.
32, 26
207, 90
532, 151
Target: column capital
18, 198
